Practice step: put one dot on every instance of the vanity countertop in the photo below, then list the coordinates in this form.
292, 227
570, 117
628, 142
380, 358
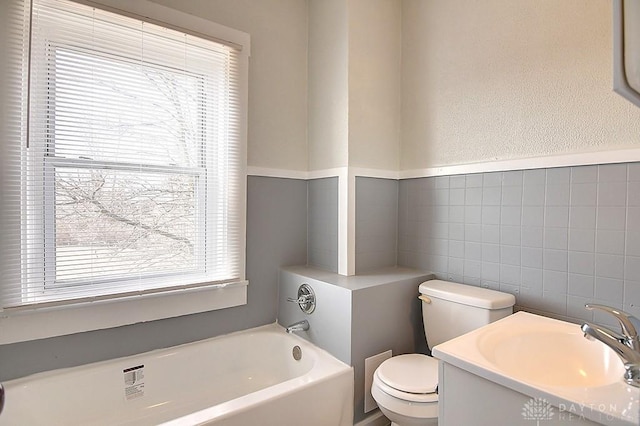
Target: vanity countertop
546, 358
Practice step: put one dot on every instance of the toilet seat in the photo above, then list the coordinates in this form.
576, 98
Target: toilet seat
411, 377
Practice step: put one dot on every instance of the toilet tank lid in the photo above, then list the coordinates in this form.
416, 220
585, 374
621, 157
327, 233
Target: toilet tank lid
467, 294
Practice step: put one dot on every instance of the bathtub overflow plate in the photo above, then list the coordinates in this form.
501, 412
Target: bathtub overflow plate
297, 353
306, 298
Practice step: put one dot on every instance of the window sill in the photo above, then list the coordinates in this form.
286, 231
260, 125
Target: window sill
36, 324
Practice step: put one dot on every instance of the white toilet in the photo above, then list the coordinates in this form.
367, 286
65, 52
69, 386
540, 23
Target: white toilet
405, 386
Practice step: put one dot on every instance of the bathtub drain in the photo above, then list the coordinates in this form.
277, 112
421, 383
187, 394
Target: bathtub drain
297, 353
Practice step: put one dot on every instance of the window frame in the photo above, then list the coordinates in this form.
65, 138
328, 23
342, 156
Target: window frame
28, 323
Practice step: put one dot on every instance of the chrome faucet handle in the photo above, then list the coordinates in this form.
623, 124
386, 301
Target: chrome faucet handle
301, 299
306, 299
626, 324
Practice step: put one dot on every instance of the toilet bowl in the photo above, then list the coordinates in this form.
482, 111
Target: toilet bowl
405, 387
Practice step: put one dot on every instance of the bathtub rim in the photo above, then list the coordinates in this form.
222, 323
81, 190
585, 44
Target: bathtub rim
271, 327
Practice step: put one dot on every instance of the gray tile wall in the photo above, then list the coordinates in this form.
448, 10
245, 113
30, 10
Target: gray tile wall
322, 227
556, 238
376, 223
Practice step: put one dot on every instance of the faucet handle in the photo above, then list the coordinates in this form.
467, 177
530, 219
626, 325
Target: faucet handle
301, 299
306, 299
626, 323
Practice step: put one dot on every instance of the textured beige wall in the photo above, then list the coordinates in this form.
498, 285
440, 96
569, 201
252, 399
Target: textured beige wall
374, 83
328, 84
503, 79
479, 80
277, 126
354, 83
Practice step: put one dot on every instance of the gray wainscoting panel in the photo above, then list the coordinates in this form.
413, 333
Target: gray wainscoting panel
323, 224
276, 236
376, 223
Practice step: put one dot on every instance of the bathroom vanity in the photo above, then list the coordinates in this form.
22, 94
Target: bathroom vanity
467, 398
526, 369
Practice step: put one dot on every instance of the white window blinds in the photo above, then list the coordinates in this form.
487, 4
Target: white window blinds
132, 169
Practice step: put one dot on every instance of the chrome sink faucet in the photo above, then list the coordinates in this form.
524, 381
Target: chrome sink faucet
298, 326
629, 335
625, 345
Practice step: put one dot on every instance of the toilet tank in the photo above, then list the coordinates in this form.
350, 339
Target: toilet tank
451, 309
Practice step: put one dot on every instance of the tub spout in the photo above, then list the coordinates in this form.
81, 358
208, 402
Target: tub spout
298, 326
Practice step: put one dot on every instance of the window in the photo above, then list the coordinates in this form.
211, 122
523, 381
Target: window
133, 164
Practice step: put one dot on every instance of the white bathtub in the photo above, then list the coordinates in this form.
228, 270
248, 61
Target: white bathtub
241, 379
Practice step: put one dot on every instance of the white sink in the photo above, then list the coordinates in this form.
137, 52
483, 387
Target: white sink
546, 358
551, 356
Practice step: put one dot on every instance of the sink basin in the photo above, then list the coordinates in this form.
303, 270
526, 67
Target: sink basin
548, 359
559, 356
